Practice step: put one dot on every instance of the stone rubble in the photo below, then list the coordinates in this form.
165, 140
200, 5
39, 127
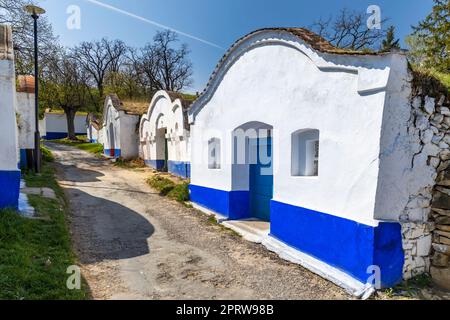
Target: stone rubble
426, 218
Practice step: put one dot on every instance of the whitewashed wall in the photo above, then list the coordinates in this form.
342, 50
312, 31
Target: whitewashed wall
9, 155
8, 124
163, 113
57, 123
92, 133
124, 128
129, 135
25, 119
342, 96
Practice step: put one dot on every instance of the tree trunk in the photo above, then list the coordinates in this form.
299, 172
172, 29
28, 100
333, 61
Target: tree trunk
70, 115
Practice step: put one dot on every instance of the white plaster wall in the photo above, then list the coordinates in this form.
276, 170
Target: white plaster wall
111, 121
129, 137
26, 119
166, 114
8, 124
399, 178
42, 127
101, 136
283, 86
92, 133
58, 123
125, 131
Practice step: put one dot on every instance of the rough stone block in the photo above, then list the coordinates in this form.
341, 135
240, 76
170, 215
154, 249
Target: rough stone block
429, 105
441, 277
440, 260
424, 246
444, 220
441, 248
441, 201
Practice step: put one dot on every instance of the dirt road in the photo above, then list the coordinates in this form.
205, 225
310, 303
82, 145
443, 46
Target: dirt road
134, 244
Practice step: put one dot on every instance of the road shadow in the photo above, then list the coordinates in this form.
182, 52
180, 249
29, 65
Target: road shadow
106, 230
75, 174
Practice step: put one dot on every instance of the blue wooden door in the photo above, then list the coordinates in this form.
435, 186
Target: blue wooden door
261, 179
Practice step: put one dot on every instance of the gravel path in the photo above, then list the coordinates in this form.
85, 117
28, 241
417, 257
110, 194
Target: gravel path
134, 244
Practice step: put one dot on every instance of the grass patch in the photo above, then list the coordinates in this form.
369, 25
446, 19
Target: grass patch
130, 164
46, 154
35, 253
167, 187
409, 289
95, 148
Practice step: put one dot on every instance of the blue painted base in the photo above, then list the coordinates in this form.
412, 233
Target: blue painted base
180, 169
345, 244
23, 159
93, 140
9, 189
107, 152
155, 164
59, 135
232, 204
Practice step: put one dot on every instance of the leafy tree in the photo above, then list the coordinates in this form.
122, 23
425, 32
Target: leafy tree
65, 86
434, 32
417, 50
390, 42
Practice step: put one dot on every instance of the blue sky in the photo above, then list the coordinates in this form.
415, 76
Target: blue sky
218, 22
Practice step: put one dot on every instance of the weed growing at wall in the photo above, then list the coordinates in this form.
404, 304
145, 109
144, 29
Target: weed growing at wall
167, 187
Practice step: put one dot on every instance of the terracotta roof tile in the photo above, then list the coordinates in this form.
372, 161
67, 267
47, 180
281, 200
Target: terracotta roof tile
26, 84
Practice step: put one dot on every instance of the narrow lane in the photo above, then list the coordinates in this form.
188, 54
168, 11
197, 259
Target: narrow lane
134, 244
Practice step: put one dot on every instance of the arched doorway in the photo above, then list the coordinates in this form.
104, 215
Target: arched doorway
112, 142
252, 166
161, 150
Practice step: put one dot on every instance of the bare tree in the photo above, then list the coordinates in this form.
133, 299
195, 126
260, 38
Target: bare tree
166, 67
98, 58
349, 31
11, 12
65, 85
174, 69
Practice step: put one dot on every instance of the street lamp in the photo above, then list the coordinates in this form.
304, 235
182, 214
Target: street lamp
35, 12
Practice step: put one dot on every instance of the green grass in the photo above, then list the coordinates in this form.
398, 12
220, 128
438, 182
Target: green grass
130, 164
166, 187
46, 154
35, 253
443, 78
95, 148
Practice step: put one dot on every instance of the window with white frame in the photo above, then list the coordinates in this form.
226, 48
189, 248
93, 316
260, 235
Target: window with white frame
305, 153
214, 153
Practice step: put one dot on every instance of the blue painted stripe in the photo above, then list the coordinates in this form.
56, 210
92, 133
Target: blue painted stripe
155, 164
180, 168
232, 204
93, 140
345, 244
23, 159
59, 135
117, 153
9, 189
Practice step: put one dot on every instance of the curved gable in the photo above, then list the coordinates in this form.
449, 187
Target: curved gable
371, 70
169, 105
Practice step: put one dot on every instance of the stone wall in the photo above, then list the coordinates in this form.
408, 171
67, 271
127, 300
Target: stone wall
426, 218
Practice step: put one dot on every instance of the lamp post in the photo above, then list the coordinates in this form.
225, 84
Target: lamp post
35, 12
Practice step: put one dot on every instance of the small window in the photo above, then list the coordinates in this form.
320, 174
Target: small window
214, 153
305, 153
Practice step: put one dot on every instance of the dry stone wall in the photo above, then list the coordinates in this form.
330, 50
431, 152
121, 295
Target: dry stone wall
426, 218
